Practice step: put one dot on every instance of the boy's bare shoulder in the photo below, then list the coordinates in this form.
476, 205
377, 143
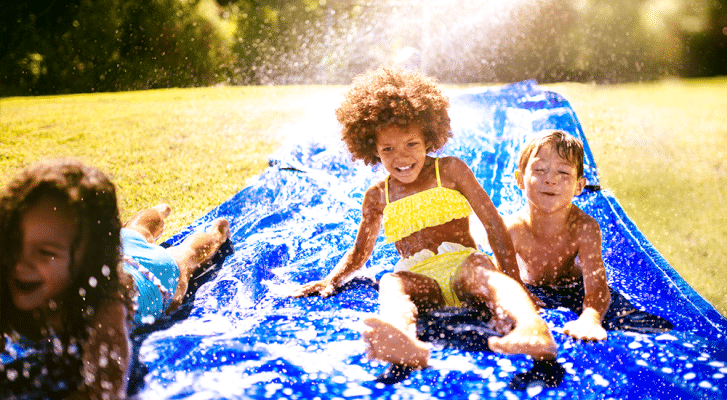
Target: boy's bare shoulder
515, 221
583, 223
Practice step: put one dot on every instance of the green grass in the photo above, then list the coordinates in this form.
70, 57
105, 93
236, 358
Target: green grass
190, 148
660, 148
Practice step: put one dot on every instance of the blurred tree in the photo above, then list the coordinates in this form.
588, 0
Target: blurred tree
291, 42
706, 50
58, 46
171, 43
28, 31
92, 45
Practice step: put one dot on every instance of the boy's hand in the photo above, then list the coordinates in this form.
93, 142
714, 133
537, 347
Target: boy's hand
323, 288
587, 327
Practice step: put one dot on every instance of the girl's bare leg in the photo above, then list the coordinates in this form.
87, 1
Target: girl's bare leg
480, 285
150, 222
196, 249
392, 335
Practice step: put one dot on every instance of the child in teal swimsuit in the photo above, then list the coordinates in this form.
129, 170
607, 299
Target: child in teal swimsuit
396, 118
63, 291
161, 275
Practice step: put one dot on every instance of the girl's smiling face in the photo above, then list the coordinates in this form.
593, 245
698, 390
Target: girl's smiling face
42, 271
402, 150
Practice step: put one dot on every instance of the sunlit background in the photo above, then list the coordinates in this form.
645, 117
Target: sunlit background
62, 46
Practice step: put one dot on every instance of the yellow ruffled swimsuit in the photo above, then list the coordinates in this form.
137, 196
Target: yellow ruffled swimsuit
430, 207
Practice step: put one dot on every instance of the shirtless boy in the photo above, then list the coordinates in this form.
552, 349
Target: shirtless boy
557, 244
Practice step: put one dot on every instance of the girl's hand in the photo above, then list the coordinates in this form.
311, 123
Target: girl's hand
324, 288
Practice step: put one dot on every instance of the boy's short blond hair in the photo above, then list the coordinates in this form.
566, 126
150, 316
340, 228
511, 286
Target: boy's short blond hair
568, 147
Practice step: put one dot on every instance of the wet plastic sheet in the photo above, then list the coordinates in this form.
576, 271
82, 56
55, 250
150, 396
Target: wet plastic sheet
292, 225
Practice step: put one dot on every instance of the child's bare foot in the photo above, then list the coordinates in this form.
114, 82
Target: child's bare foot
221, 227
219, 232
387, 343
533, 339
163, 209
150, 221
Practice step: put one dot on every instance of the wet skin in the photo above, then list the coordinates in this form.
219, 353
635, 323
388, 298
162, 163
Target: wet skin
556, 242
404, 294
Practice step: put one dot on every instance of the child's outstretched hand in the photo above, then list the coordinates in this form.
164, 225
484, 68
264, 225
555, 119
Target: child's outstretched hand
587, 327
323, 288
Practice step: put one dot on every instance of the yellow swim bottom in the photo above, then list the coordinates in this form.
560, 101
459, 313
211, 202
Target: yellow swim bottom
440, 267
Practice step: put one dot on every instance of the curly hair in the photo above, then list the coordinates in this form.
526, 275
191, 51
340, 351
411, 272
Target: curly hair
569, 148
96, 275
382, 97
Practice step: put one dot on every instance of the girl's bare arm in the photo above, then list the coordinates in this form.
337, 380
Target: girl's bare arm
481, 204
106, 353
368, 232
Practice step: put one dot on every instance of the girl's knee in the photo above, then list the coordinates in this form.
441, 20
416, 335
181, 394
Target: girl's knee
390, 281
480, 260
421, 290
473, 277
476, 267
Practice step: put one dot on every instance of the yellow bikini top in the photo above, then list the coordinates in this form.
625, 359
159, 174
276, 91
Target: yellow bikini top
427, 208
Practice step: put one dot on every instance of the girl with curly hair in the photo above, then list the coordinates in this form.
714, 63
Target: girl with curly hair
397, 118
60, 281
74, 282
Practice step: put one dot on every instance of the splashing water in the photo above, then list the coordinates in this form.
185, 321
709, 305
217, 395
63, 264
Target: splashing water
296, 221
451, 40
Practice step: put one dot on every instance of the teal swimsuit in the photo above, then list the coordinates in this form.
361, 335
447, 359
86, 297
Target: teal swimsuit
155, 273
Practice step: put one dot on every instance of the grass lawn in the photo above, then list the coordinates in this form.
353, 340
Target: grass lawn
660, 147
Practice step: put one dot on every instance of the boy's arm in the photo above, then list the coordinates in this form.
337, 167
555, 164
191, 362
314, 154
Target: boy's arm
368, 232
597, 294
497, 234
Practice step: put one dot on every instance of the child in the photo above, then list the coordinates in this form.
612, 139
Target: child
62, 285
59, 232
557, 244
397, 118
163, 290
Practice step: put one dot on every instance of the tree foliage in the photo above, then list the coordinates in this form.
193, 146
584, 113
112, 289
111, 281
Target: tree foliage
106, 45
62, 46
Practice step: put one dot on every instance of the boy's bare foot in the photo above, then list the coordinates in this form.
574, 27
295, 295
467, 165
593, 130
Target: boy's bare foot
387, 343
533, 339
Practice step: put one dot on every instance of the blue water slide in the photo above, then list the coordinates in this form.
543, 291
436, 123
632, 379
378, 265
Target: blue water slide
240, 338
237, 337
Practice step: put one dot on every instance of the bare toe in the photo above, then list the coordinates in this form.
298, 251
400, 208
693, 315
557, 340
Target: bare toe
223, 227
535, 342
163, 209
387, 343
